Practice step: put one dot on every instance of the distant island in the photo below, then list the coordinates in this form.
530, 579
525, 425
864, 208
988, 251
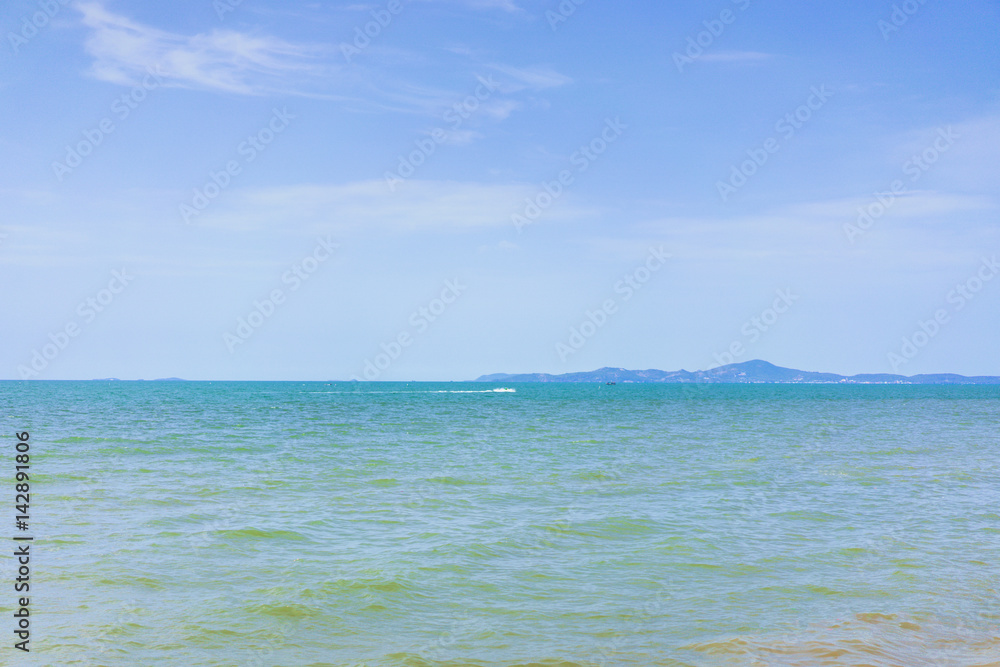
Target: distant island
755, 371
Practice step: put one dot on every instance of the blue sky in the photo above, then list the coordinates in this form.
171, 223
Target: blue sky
260, 190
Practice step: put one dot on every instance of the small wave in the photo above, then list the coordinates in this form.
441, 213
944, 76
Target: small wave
599, 476
127, 580
454, 481
875, 639
258, 534
369, 585
288, 610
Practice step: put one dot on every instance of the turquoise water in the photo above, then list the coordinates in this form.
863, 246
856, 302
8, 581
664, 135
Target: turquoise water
446, 524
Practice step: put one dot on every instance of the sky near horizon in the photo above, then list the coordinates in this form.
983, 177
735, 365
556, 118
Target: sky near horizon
439, 189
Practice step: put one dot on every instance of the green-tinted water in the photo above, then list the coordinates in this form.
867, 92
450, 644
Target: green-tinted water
441, 524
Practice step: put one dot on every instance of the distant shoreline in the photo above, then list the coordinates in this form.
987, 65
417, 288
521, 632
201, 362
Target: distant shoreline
747, 372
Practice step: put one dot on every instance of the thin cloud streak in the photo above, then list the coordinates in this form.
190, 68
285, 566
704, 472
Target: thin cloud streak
415, 206
125, 51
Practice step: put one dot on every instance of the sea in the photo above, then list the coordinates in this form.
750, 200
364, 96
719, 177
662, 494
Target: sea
448, 524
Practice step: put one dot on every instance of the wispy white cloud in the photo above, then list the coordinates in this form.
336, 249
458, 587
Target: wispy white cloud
221, 60
415, 206
500, 109
917, 225
461, 137
124, 51
535, 77
503, 5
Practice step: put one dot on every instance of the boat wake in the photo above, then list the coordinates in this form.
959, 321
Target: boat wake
501, 390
